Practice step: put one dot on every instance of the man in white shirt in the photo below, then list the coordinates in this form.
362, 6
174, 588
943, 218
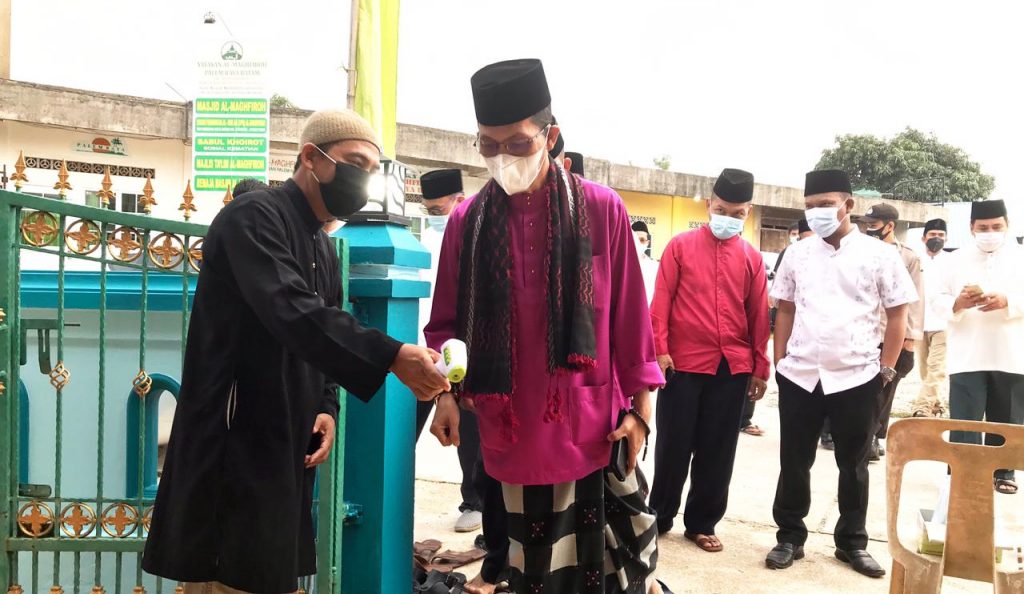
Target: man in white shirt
931, 349
442, 192
982, 296
827, 336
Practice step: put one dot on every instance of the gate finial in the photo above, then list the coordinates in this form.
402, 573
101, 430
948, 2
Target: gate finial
62, 186
147, 201
187, 198
105, 194
20, 179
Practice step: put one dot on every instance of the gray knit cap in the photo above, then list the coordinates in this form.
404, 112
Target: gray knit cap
333, 125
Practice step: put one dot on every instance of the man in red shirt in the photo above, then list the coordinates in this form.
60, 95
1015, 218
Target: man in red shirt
710, 317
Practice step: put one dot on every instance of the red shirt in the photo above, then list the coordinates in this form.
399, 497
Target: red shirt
710, 301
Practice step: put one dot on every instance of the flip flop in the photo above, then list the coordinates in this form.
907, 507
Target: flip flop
449, 560
1006, 486
753, 430
704, 541
664, 588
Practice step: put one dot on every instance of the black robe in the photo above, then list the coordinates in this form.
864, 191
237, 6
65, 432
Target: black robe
266, 344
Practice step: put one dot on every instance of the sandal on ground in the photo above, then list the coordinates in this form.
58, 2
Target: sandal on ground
1006, 486
752, 430
664, 588
708, 543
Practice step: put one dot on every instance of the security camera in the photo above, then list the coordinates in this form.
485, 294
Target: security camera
210, 18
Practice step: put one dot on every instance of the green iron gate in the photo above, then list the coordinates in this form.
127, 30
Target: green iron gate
74, 518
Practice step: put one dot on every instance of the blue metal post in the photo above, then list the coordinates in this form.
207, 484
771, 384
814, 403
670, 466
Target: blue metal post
379, 435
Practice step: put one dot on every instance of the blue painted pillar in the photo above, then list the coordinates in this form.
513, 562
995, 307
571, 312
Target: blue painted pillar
380, 435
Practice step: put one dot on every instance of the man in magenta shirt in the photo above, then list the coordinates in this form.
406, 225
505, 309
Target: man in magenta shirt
711, 327
539, 276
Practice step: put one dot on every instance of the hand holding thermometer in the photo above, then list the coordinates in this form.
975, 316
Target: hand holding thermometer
454, 360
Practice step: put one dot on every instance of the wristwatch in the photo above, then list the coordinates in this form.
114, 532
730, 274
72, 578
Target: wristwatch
888, 373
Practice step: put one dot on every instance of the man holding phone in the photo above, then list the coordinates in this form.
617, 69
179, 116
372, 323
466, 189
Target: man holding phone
982, 296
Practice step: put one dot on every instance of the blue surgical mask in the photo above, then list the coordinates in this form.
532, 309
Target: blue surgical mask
823, 221
437, 223
724, 227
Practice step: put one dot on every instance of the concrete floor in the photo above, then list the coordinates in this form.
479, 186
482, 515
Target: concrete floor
748, 531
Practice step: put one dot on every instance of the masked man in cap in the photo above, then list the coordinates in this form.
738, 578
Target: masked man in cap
931, 349
710, 316
982, 295
540, 278
880, 223
648, 265
829, 364
442, 192
268, 345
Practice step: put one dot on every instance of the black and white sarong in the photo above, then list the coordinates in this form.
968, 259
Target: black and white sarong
594, 535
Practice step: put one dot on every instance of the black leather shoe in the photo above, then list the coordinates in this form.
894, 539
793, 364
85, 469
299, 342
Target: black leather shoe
861, 562
783, 555
873, 453
664, 528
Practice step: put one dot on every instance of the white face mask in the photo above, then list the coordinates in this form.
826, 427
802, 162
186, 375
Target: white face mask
793, 239
823, 221
989, 242
515, 174
724, 227
437, 223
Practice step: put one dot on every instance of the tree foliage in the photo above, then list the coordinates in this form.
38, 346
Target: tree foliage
277, 100
663, 162
911, 165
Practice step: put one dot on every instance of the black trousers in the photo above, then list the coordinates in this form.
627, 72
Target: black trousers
854, 419
495, 524
993, 396
697, 418
468, 450
904, 365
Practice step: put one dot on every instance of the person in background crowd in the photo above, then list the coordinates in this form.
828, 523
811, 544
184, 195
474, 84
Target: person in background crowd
574, 164
829, 364
247, 185
442, 192
981, 294
710, 316
880, 223
648, 266
931, 349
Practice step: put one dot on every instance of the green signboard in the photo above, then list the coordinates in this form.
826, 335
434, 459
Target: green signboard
230, 144
256, 164
222, 183
230, 125
232, 107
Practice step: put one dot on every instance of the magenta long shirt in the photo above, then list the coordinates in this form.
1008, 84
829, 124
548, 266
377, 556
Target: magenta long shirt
543, 453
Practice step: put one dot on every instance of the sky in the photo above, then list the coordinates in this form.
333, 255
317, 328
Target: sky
762, 86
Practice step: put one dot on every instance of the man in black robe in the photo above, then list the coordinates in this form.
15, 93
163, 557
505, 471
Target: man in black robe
268, 346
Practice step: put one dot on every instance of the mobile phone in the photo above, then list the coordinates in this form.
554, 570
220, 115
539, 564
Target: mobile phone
620, 452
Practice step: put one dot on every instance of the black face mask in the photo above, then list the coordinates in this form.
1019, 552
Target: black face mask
348, 192
877, 233
935, 244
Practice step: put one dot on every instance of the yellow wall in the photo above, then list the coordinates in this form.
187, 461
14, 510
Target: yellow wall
668, 216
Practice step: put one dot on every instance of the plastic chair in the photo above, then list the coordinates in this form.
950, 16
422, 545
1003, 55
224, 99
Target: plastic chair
970, 544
